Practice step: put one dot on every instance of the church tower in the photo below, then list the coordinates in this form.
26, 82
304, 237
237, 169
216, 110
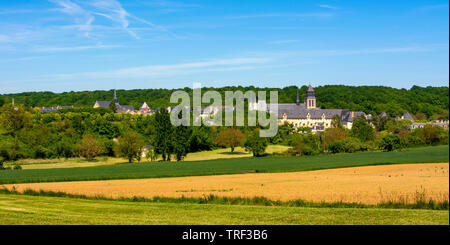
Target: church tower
310, 99
115, 98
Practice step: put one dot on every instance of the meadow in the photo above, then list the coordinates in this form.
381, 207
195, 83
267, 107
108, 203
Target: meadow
42, 210
270, 164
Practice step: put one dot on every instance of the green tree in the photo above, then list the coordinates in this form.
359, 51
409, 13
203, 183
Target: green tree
336, 122
14, 118
163, 130
230, 137
89, 147
180, 142
362, 130
201, 139
255, 144
112, 106
130, 145
430, 134
332, 135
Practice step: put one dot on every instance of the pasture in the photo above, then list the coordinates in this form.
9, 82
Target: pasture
41, 210
271, 164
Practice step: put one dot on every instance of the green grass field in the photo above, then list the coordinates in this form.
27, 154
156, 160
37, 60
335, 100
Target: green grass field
226, 166
40, 210
222, 153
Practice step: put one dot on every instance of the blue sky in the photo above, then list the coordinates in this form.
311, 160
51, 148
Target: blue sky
76, 45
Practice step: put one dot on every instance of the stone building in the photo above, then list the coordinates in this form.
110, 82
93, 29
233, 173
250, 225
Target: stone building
120, 108
307, 114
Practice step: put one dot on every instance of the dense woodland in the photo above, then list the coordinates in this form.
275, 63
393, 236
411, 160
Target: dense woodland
422, 102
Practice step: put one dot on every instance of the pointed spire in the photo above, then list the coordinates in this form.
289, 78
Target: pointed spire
298, 97
115, 97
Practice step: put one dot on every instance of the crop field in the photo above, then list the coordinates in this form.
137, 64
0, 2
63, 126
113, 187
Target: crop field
405, 183
40, 210
437, 154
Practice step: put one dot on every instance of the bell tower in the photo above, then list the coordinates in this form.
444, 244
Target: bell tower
115, 98
310, 98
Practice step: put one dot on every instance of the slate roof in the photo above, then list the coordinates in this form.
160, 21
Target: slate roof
294, 111
408, 116
104, 104
53, 109
124, 108
48, 109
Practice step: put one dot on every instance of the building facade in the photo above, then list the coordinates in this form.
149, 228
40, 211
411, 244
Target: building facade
308, 115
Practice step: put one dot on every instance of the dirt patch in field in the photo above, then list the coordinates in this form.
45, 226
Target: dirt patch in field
370, 184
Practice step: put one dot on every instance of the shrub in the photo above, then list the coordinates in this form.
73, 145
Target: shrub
412, 141
42, 152
391, 142
305, 146
352, 144
336, 147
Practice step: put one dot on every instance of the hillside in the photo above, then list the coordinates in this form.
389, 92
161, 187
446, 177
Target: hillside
370, 99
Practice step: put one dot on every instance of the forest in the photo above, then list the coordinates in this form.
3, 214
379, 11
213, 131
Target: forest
422, 102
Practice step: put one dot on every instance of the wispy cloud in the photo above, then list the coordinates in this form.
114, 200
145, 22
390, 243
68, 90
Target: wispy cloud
343, 52
283, 41
4, 38
85, 13
367, 51
172, 6
83, 18
154, 71
327, 6
74, 48
435, 6
22, 59
268, 15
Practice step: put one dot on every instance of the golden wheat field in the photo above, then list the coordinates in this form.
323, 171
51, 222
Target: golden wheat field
369, 185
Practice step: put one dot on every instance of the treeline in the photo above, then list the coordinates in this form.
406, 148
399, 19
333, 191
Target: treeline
422, 102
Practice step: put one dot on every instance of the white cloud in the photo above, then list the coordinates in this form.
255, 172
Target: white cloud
74, 48
154, 71
283, 41
84, 13
4, 38
268, 15
83, 18
326, 6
